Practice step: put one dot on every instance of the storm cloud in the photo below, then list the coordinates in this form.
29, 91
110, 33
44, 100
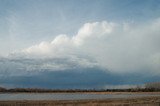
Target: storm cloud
117, 47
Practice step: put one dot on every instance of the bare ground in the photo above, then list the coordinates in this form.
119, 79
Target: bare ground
145, 101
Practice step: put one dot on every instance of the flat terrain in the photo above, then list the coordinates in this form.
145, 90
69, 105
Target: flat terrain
143, 101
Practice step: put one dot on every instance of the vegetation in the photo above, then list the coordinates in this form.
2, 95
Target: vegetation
149, 87
155, 86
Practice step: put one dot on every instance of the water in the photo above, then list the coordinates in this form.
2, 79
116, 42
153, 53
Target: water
66, 96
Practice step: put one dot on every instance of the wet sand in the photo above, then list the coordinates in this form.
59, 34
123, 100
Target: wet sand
138, 101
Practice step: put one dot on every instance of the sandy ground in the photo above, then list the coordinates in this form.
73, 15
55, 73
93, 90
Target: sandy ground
143, 101
154, 93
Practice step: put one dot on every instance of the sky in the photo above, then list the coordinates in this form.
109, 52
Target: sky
79, 43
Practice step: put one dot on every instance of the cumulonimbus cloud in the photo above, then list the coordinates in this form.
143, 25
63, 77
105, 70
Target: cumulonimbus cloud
114, 46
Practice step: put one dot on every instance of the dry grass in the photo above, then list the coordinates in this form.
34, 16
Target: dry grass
145, 101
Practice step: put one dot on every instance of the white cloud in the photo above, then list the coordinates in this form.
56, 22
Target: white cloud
117, 47
65, 45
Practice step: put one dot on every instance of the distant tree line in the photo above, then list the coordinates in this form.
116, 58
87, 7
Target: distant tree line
154, 86
149, 87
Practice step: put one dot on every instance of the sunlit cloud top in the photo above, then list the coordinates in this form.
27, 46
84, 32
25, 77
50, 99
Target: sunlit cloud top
25, 23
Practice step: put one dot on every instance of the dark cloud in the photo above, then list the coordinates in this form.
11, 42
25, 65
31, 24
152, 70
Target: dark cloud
84, 78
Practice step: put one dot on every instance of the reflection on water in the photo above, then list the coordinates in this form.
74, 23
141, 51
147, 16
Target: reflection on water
65, 96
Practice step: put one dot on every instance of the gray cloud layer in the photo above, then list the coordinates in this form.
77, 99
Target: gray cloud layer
81, 78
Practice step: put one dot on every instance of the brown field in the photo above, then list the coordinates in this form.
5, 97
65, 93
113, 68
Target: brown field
152, 93
145, 101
